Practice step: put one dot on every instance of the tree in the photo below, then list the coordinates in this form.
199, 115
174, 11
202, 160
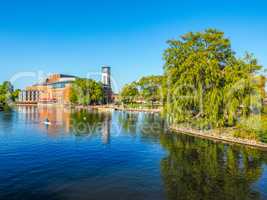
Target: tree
261, 81
86, 91
7, 94
150, 88
207, 85
129, 93
2, 95
8, 87
15, 94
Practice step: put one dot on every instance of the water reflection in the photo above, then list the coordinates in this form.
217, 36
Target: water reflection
90, 123
7, 118
152, 126
128, 122
146, 126
200, 169
144, 159
59, 118
82, 123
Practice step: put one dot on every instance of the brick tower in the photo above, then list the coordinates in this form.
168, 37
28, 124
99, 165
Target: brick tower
106, 81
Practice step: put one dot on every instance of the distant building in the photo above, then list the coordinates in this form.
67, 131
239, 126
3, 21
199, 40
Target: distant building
106, 81
56, 89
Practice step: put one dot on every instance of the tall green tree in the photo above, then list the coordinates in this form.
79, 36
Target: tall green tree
86, 92
206, 83
151, 88
129, 93
15, 94
6, 90
147, 89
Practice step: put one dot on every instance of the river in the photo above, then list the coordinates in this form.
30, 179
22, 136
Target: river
119, 155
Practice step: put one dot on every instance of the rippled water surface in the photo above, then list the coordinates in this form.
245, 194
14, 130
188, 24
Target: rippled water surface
119, 155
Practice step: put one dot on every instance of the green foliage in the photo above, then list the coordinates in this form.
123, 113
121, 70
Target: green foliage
206, 83
147, 89
7, 94
253, 127
150, 88
15, 94
260, 82
86, 92
129, 93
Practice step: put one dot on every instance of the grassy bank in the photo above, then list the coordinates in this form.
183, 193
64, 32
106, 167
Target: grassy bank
140, 106
251, 131
227, 135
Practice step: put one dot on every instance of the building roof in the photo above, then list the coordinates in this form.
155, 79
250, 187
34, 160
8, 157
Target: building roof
66, 76
39, 84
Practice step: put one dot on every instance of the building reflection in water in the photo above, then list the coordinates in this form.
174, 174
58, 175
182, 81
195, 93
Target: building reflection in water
29, 113
106, 129
65, 121
59, 118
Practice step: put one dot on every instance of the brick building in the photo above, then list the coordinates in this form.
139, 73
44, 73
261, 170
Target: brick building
56, 89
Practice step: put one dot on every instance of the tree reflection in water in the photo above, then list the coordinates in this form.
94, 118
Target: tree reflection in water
128, 122
88, 123
201, 169
151, 127
7, 117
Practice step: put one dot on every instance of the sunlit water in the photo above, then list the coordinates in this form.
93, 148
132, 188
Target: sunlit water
119, 155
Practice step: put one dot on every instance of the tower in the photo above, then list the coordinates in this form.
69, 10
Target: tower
106, 81
106, 76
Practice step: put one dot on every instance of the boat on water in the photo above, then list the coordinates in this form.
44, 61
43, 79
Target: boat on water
47, 122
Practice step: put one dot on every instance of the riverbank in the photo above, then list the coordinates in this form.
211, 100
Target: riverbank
119, 108
221, 136
148, 110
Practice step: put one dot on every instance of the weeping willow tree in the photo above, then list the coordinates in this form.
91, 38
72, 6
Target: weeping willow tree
206, 83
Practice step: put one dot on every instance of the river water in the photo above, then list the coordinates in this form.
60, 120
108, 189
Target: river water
119, 155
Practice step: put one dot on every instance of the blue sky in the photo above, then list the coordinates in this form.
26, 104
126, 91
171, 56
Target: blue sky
77, 37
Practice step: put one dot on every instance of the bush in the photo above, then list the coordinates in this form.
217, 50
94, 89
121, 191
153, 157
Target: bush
253, 127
